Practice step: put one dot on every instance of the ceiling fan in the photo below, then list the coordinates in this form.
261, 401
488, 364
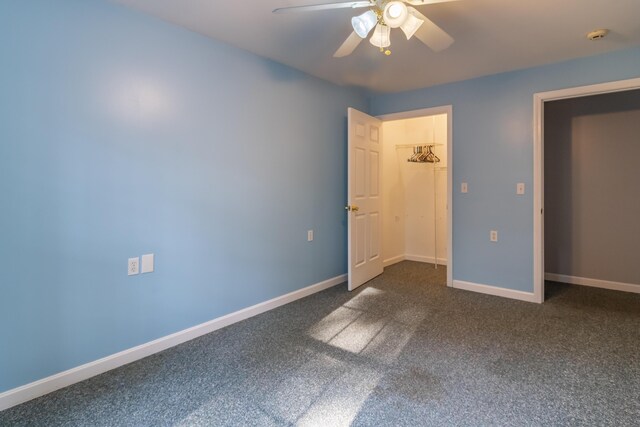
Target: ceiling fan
382, 16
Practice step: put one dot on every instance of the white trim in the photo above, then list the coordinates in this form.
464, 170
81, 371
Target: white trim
427, 259
538, 163
393, 260
412, 114
63, 379
596, 283
417, 258
448, 110
496, 291
538, 199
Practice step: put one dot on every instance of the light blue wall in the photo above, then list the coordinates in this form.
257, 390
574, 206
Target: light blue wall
122, 135
492, 151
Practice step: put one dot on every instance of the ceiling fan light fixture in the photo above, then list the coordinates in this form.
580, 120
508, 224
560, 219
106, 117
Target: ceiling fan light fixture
362, 24
411, 25
380, 37
395, 13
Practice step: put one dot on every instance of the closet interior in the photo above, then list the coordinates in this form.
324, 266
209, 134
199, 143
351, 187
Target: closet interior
415, 190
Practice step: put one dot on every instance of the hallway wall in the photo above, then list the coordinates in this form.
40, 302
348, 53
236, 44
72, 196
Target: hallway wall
592, 152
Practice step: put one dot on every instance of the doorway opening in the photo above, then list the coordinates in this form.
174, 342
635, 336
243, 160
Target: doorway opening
573, 260
415, 186
430, 149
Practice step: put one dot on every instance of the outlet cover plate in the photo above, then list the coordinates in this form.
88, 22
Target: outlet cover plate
133, 266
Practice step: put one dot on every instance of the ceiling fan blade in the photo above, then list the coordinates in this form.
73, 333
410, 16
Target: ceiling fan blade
349, 45
425, 2
430, 34
326, 6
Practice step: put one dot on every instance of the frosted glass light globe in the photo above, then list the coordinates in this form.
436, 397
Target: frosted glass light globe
395, 10
364, 23
395, 13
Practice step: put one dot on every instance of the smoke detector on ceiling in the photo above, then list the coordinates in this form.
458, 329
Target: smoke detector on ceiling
598, 34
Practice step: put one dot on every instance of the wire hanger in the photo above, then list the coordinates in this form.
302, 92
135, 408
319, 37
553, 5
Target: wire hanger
423, 154
431, 156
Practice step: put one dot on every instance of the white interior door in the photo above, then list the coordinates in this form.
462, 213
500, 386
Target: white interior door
365, 203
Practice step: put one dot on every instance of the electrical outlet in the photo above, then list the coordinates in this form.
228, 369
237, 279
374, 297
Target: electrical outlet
133, 266
147, 263
520, 188
464, 188
310, 236
493, 236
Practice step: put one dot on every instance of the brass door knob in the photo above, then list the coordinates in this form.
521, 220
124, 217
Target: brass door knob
353, 208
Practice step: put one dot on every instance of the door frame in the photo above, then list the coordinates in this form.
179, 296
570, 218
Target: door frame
538, 163
448, 110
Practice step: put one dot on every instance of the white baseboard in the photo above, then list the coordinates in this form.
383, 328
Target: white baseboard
596, 283
418, 258
63, 379
494, 290
429, 259
393, 260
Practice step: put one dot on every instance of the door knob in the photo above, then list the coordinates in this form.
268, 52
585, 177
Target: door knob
353, 208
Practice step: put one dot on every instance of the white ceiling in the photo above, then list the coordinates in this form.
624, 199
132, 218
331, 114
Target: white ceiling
491, 36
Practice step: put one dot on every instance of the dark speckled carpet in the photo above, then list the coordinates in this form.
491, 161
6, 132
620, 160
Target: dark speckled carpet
403, 350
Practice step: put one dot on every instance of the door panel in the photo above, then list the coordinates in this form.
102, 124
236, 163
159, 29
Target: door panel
374, 161
365, 204
374, 133
361, 232
374, 241
360, 173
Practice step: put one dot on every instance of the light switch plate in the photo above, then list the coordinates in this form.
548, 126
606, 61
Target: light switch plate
464, 187
520, 188
147, 263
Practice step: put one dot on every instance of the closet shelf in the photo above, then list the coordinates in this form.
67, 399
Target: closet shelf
416, 145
